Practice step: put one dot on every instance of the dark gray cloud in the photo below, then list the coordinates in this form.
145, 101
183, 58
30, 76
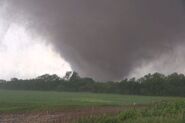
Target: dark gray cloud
105, 39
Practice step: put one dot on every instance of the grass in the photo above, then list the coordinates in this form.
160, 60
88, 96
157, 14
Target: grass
163, 112
27, 101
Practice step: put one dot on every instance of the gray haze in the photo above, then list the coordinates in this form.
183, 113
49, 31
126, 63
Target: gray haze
104, 39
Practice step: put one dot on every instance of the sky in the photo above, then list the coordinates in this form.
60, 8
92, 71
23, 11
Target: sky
25, 57
102, 39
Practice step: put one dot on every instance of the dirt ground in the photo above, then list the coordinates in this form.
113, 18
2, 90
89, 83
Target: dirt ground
62, 116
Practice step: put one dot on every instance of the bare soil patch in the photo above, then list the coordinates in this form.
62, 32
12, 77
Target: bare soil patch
66, 116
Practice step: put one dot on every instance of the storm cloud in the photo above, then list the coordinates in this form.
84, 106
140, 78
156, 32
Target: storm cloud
104, 39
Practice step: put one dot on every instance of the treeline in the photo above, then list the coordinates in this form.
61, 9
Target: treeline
152, 84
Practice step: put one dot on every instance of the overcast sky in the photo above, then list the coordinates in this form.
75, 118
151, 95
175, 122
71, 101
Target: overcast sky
24, 57
103, 39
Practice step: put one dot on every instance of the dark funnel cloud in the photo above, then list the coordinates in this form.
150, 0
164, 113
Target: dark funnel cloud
105, 39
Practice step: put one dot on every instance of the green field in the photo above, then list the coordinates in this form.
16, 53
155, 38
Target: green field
17, 101
162, 112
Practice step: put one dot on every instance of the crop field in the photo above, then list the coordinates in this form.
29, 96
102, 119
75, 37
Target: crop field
16, 101
58, 107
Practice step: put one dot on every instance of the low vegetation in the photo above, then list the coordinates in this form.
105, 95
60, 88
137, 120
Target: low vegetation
21, 101
163, 112
50, 93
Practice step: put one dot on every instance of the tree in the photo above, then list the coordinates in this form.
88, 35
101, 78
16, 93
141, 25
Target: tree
68, 75
14, 79
47, 77
75, 76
